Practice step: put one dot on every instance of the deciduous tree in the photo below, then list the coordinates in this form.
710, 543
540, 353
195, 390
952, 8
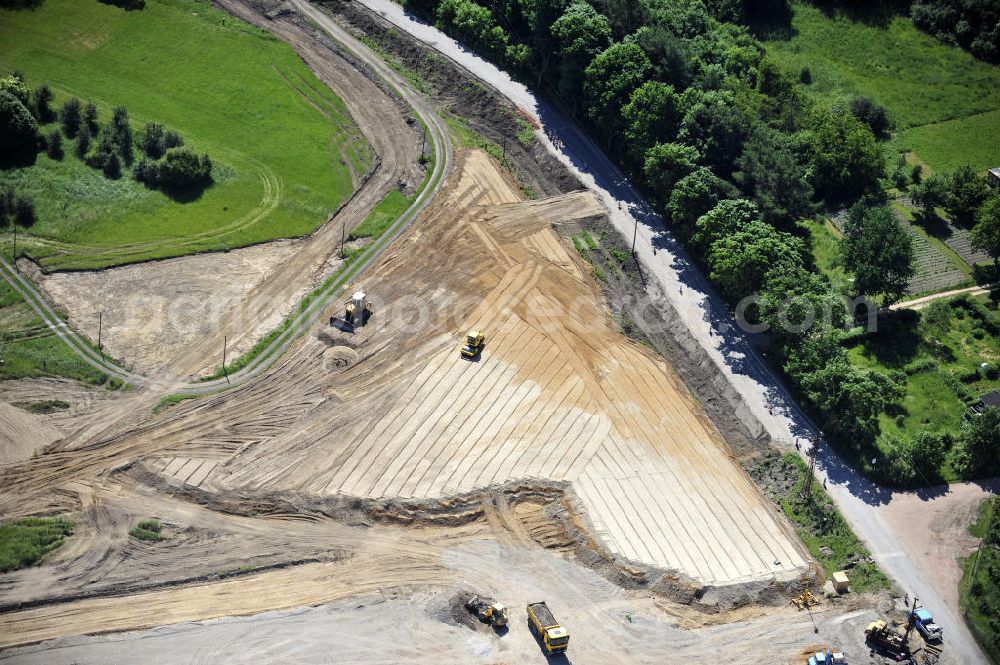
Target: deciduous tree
878, 251
609, 81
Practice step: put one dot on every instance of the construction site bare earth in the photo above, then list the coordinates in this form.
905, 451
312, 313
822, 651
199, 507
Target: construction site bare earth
345, 503
372, 444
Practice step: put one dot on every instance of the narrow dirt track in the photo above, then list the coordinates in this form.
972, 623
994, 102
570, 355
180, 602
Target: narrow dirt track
380, 119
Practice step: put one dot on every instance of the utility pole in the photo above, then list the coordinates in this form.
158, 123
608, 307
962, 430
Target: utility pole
343, 234
909, 621
505, 149
100, 329
225, 341
423, 143
635, 232
13, 256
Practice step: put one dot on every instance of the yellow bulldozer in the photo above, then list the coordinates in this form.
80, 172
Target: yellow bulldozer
474, 343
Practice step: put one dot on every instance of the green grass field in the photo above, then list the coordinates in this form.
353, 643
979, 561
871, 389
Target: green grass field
947, 145
284, 145
941, 99
29, 348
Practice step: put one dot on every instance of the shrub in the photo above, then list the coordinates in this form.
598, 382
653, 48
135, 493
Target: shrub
172, 140
15, 85
121, 132
182, 168
153, 140
90, 117
148, 530
916, 173
112, 167
53, 143
43, 104
873, 115
805, 76
146, 172
83, 142
24, 211
70, 116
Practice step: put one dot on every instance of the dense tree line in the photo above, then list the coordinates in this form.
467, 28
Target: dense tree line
972, 24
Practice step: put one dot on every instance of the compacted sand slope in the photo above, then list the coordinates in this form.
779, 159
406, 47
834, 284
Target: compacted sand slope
557, 395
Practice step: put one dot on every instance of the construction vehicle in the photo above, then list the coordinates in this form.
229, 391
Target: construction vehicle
474, 343
554, 637
828, 658
886, 640
487, 610
923, 621
804, 600
356, 310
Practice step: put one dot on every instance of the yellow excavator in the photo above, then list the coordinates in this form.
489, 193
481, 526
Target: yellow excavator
474, 343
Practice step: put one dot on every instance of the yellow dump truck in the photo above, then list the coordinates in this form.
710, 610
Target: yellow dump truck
554, 637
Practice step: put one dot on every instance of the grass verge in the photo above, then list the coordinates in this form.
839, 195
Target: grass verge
29, 348
25, 541
979, 590
817, 521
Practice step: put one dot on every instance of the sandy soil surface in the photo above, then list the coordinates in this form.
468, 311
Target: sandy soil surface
152, 311
23, 433
404, 623
556, 395
934, 529
385, 415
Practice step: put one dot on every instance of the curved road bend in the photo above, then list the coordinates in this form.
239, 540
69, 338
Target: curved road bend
708, 321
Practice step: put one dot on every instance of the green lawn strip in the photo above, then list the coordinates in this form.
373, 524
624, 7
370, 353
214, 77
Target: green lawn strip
382, 215
29, 348
979, 590
148, 530
172, 400
25, 541
817, 521
232, 90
